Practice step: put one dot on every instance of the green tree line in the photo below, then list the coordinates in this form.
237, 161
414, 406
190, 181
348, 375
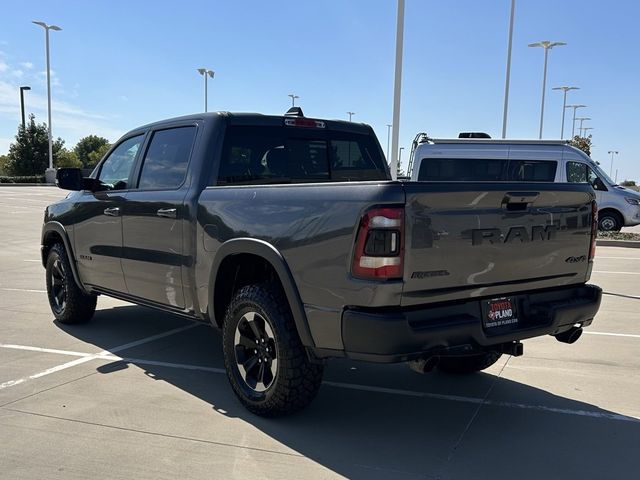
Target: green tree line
29, 153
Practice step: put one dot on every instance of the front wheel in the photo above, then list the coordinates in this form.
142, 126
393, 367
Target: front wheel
468, 363
68, 303
266, 363
609, 222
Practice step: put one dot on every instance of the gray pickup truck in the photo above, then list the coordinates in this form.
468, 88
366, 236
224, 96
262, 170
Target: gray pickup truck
288, 234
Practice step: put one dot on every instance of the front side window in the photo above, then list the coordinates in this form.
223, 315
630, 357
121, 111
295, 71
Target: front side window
577, 172
165, 162
116, 169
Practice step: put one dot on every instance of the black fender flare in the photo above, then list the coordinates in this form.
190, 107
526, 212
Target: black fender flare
58, 228
268, 252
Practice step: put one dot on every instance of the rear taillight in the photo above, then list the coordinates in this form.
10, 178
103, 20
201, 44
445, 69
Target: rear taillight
379, 250
594, 229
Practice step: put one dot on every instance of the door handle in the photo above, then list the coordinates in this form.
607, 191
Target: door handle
167, 212
112, 212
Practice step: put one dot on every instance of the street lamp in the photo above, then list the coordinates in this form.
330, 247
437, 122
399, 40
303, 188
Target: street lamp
50, 172
584, 131
293, 99
388, 136
582, 119
547, 45
22, 89
508, 74
205, 73
564, 105
612, 153
573, 128
397, 88
351, 114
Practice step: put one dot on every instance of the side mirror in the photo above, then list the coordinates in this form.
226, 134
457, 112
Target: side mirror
70, 179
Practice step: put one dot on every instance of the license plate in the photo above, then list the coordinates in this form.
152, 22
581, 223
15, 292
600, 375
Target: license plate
500, 312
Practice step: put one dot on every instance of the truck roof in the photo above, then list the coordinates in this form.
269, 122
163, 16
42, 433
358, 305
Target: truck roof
259, 119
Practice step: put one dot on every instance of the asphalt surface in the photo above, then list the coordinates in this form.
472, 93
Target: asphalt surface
141, 394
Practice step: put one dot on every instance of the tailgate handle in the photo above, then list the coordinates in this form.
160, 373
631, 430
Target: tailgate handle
518, 201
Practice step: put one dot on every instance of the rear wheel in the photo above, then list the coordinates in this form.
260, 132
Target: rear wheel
266, 363
68, 302
468, 363
609, 221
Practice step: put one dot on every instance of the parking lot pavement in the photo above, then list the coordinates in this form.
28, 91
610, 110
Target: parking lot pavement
142, 394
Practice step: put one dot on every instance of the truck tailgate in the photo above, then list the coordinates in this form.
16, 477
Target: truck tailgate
465, 240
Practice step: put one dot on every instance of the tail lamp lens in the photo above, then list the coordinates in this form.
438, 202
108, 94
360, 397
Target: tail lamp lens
379, 247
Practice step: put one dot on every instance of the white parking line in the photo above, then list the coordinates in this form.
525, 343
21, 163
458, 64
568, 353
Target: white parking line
616, 273
22, 290
44, 350
85, 357
618, 258
104, 353
630, 335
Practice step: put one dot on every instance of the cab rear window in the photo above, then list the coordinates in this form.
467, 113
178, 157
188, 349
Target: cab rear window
486, 170
272, 155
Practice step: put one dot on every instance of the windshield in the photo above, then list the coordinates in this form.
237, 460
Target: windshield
602, 174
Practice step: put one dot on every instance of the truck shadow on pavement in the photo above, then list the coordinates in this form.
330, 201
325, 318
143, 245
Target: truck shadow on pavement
373, 421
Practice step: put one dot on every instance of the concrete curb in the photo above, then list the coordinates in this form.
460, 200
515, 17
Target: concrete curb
617, 243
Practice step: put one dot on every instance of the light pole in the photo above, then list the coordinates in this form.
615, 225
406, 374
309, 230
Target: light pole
397, 88
584, 131
351, 114
293, 99
508, 75
50, 172
205, 73
564, 105
573, 128
547, 45
22, 89
612, 153
388, 137
582, 119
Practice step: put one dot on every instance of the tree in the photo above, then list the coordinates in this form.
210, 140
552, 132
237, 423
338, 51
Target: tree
628, 183
96, 155
4, 159
582, 143
29, 154
67, 158
88, 145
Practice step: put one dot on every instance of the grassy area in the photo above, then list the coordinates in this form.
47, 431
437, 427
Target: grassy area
619, 236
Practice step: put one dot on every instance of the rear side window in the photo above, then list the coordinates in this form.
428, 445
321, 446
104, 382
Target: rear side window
272, 155
531, 171
461, 169
166, 160
486, 170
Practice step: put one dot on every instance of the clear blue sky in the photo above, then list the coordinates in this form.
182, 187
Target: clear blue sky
120, 64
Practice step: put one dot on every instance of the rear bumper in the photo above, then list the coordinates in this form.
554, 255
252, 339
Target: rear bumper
400, 335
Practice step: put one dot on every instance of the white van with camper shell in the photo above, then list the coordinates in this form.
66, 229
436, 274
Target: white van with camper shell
484, 159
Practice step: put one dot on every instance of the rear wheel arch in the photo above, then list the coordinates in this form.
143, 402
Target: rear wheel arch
244, 261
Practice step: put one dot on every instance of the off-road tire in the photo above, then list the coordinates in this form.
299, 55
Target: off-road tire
77, 306
468, 363
296, 380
